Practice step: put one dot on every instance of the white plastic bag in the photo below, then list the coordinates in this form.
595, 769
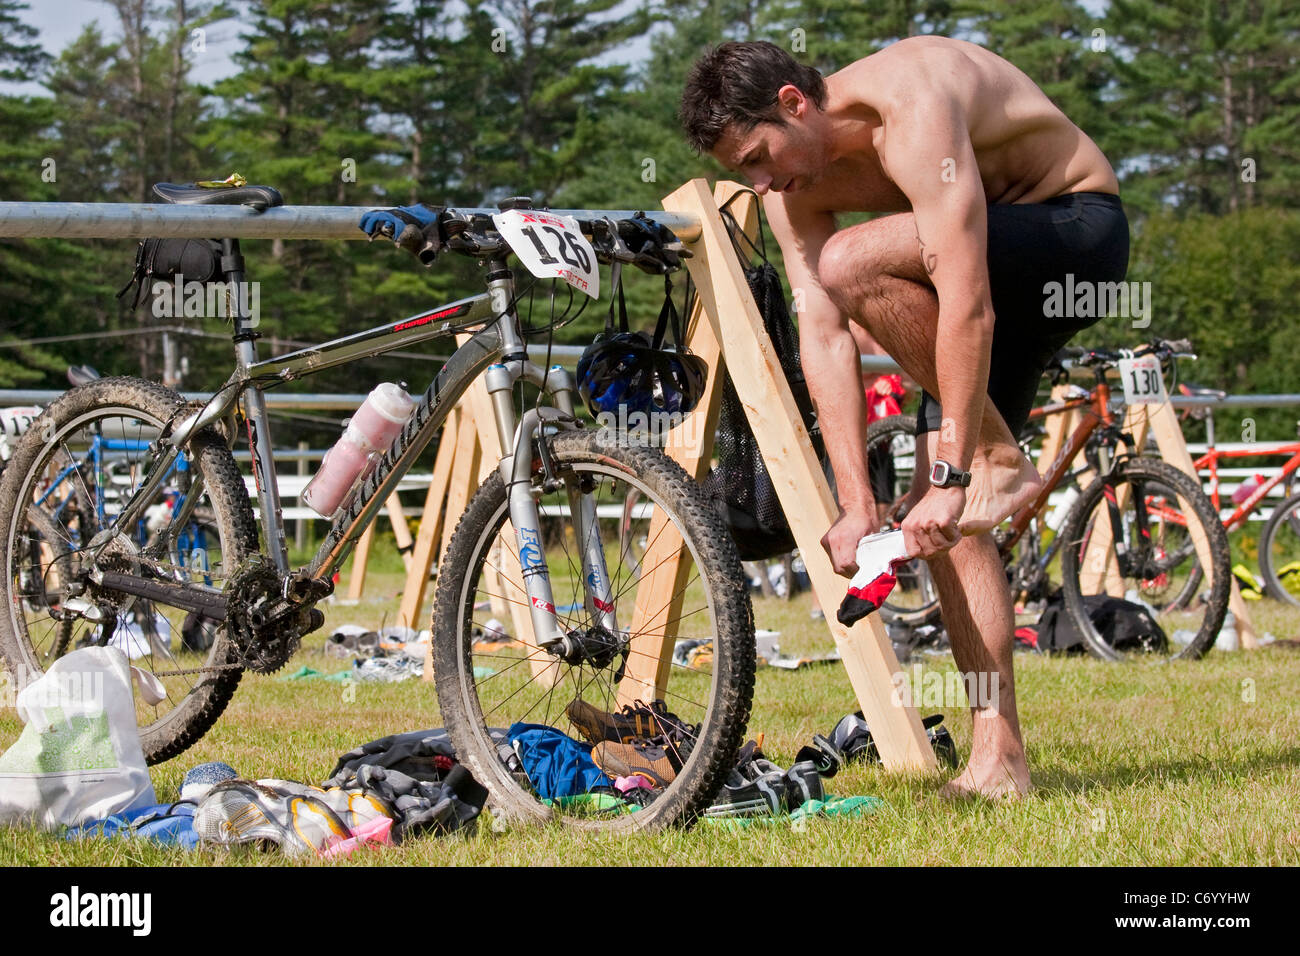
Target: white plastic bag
79, 757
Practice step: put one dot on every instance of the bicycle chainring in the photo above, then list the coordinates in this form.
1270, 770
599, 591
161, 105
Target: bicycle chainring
265, 627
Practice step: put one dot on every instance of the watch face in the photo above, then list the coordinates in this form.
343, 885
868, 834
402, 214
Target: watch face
939, 473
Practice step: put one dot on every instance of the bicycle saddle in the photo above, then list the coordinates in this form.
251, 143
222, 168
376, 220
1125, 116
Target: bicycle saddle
188, 194
82, 374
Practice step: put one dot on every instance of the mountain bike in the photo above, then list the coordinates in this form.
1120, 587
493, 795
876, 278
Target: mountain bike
535, 547
1146, 507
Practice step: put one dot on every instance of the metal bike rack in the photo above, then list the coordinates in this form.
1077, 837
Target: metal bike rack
106, 220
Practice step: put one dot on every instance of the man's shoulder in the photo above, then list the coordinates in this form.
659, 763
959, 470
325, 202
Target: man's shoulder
905, 69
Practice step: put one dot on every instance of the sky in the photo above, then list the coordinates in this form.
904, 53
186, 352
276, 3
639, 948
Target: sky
61, 21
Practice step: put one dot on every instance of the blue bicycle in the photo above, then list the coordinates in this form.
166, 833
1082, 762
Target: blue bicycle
86, 490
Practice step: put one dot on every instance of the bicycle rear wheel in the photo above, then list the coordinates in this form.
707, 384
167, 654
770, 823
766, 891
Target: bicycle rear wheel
1279, 552
491, 676
1159, 511
68, 481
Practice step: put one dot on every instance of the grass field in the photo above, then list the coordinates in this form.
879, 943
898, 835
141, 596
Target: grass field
1190, 763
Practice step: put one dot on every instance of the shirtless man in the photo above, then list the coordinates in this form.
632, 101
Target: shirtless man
994, 193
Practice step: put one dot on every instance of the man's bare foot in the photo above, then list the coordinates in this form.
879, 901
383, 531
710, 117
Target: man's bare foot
1003, 481
1007, 780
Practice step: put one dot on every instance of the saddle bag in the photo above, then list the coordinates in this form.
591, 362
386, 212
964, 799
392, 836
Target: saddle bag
169, 260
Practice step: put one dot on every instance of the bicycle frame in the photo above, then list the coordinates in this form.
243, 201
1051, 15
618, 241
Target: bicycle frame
497, 349
1243, 512
1096, 414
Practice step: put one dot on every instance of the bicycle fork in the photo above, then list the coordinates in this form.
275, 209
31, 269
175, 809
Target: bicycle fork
516, 471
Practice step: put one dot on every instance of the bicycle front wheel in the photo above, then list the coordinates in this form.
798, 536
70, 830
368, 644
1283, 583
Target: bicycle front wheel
1132, 534
60, 499
1279, 552
631, 697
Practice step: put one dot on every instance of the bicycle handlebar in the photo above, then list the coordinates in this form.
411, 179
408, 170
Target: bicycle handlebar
638, 241
1075, 357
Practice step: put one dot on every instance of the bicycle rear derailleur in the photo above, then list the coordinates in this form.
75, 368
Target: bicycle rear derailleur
267, 615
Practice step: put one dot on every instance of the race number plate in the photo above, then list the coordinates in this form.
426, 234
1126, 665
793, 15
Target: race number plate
551, 247
1143, 382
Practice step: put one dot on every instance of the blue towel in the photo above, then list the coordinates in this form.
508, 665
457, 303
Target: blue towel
164, 823
557, 765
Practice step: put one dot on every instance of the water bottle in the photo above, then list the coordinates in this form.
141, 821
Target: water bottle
372, 429
1246, 489
1228, 639
1056, 520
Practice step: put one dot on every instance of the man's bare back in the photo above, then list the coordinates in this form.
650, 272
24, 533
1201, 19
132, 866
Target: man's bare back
1026, 149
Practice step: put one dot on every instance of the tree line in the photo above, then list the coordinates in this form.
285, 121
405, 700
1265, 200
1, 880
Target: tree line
384, 102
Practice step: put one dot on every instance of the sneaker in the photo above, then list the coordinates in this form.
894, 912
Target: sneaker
241, 811
740, 796
636, 722
624, 760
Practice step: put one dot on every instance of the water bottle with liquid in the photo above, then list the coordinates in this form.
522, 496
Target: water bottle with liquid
372, 429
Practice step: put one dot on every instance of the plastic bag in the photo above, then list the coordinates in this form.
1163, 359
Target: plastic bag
79, 757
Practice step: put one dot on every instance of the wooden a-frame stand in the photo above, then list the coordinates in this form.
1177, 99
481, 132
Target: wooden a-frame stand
734, 338
725, 313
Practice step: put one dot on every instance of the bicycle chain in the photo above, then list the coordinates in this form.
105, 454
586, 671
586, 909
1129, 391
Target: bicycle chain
263, 649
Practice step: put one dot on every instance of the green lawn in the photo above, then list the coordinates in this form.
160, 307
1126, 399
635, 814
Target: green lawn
1190, 763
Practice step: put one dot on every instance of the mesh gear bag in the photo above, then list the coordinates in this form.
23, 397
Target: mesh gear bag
740, 482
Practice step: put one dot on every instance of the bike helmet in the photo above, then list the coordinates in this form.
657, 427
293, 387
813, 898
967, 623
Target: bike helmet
635, 369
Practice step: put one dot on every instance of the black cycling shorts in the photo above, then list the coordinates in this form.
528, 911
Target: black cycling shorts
1080, 235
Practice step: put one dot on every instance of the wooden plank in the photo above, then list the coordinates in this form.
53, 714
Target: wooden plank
360, 558
1099, 568
422, 557
464, 477
659, 597
401, 530
1059, 427
463, 480
797, 476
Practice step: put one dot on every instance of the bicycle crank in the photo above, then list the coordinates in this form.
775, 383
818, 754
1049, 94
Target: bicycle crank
265, 622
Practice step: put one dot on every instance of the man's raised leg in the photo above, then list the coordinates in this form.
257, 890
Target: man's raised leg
873, 273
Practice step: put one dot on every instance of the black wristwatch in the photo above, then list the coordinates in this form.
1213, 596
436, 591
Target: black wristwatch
944, 475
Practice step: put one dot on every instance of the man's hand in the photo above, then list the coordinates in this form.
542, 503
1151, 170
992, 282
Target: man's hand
414, 228
841, 541
930, 528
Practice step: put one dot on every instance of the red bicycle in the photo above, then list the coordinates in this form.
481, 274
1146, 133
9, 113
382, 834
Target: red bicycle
1131, 527
1279, 542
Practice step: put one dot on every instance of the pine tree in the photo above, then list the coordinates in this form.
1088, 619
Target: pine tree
29, 287
1198, 80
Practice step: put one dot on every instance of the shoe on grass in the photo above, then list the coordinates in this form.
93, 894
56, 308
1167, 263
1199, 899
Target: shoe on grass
635, 722
241, 811
624, 760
